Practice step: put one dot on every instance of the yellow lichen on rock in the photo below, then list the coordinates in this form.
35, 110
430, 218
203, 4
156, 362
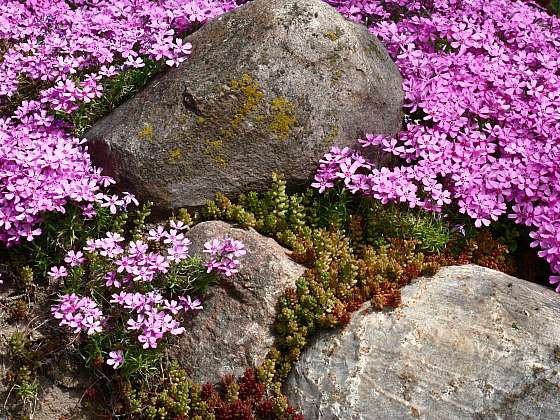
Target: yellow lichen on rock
333, 36
337, 75
331, 136
252, 94
175, 154
282, 115
213, 150
146, 133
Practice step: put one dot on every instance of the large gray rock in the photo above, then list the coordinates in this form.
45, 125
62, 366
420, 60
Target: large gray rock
269, 87
234, 331
469, 343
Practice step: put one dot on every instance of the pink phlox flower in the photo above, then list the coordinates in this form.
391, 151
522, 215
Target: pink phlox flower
156, 234
112, 202
178, 225
89, 211
116, 359
111, 279
129, 198
321, 183
74, 258
58, 272
189, 304
347, 170
372, 140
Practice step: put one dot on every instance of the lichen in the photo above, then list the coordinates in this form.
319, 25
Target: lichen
282, 115
337, 75
175, 155
252, 94
331, 136
146, 133
374, 48
213, 150
333, 35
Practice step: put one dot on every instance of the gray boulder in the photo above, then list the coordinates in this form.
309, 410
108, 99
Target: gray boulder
469, 343
234, 330
269, 87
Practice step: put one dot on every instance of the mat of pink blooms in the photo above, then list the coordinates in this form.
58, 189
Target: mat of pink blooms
482, 99
132, 267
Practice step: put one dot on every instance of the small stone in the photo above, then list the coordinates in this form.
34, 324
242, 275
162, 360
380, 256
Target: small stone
234, 330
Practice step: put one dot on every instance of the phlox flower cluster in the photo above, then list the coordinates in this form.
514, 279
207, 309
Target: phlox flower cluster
67, 49
41, 168
482, 94
79, 313
53, 40
223, 255
136, 261
130, 267
155, 316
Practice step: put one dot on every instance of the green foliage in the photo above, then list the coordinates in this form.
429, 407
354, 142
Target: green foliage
26, 386
285, 217
508, 233
392, 221
555, 7
25, 361
61, 233
69, 231
19, 345
355, 250
174, 396
189, 275
116, 90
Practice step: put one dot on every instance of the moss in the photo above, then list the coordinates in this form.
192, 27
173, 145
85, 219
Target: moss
333, 36
282, 115
146, 133
200, 120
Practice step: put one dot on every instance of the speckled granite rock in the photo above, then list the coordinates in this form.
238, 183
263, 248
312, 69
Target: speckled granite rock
235, 329
469, 343
269, 87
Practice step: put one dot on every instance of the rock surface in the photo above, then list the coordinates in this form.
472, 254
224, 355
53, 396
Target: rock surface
60, 386
468, 343
269, 87
235, 329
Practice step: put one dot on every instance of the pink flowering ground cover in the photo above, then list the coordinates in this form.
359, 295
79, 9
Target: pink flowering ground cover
55, 57
135, 299
482, 124
482, 100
